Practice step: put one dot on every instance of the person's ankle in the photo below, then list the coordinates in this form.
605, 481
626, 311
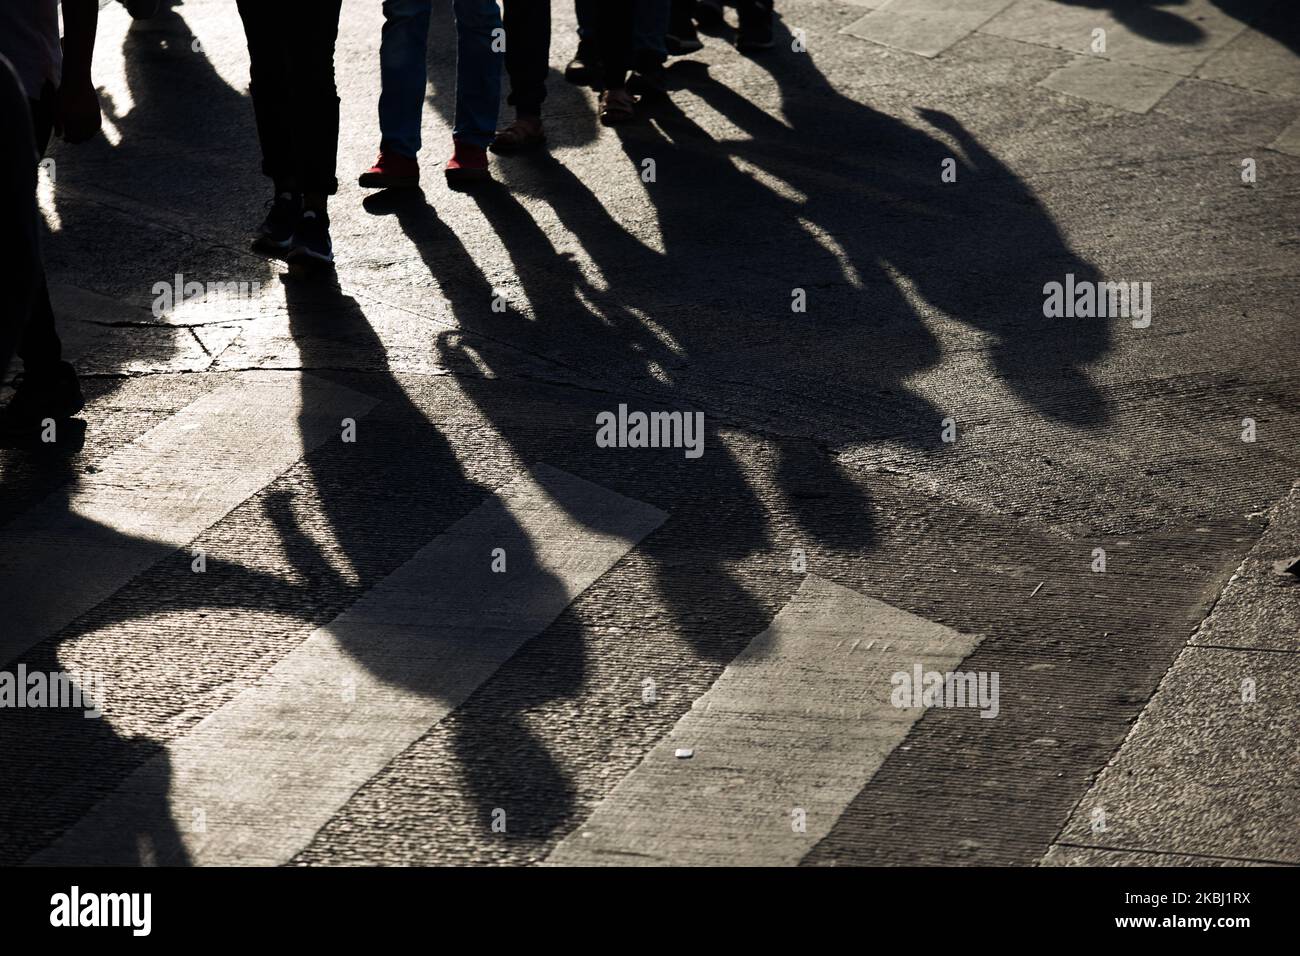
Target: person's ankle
463, 150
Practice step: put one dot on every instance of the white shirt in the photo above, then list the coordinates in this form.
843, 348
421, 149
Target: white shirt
29, 37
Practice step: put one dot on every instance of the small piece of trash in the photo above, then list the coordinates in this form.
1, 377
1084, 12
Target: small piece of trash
683, 753
1293, 567
1037, 589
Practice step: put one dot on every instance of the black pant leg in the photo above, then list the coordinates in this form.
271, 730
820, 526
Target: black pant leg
528, 53
314, 113
39, 346
614, 40
20, 268
267, 27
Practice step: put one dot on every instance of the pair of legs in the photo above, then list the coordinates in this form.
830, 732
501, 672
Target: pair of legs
296, 105
618, 38
614, 46
404, 78
49, 389
650, 24
528, 53
291, 54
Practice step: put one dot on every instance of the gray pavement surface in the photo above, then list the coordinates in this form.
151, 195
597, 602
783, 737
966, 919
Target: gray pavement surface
353, 581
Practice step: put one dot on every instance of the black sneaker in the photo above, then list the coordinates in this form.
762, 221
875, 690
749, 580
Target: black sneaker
311, 238
584, 68
755, 32
52, 393
281, 219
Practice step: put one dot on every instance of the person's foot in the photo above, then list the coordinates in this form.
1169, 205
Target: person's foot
50, 393
584, 68
523, 134
683, 40
468, 165
311, 239
617, 106
755, 32
708, 14
281, 219
391, 171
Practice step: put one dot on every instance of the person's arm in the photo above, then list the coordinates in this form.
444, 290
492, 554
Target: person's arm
78, 115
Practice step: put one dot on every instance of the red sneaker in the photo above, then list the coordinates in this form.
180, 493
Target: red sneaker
468, 165
391, 171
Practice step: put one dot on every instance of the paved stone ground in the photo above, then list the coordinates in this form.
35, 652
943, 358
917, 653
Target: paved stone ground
351, 680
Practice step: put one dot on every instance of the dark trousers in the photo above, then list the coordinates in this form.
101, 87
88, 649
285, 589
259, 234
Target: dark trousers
528, 52
614, 40
20, 267
39, 346
291, 79
681, 20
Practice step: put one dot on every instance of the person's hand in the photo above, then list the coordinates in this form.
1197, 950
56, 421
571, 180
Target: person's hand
78, 117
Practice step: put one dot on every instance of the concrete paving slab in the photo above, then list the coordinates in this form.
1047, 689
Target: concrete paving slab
1186, 780
792, 730
924, 27
91, 330
1125, 86
1260, 607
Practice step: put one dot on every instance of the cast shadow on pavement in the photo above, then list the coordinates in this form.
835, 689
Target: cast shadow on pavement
862, 223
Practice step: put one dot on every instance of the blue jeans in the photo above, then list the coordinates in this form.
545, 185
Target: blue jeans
404, 74
649, 23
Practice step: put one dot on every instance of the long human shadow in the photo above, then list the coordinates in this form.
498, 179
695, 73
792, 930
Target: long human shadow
57, 763
979, 249
501, 760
